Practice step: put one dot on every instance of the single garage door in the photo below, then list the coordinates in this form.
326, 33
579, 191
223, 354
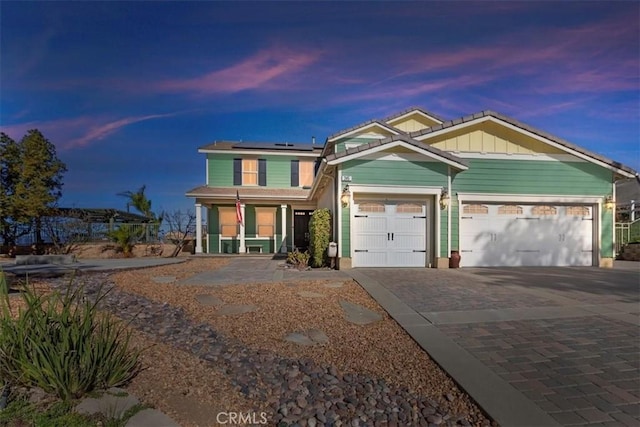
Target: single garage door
389, 234
526, 235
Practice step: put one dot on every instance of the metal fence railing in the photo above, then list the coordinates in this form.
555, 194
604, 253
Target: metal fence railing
627, 232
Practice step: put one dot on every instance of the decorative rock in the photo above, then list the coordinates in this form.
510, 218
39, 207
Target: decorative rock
163, 279
208, 300
236, 309
435, 418
317, 336
309, 294
358, 314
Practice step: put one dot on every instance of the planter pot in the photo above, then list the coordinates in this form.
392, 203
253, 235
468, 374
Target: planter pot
454, 260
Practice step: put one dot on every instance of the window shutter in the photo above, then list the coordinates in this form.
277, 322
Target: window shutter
295, 174
262, 172
316, 166
237, 171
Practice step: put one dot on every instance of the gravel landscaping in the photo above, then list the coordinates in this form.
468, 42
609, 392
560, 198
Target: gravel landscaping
205, 358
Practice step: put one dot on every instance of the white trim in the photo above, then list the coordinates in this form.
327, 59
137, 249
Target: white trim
394, 144
527, 198
283, 226
394, 189
361, 128
339, 213
613, 222
265, 152
207, 171
242, 248
436, 209
524, 132
412, 157
449, 210
518, 156
198, 208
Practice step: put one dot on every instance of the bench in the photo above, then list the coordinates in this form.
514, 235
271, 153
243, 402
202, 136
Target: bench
258, 247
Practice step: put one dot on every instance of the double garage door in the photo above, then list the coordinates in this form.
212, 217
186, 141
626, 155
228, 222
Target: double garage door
389, 234
526, 235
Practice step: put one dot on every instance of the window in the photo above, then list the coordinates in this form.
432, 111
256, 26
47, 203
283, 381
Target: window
371, 207
265, 222
475, 209
250, 172
408, 208
544, 210
509, 210
577, 210
228, 222
302, 173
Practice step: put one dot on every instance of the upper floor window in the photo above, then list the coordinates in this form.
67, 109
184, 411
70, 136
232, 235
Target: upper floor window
250, 172
302, 173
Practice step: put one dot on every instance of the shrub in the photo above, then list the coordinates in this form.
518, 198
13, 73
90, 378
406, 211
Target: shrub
320, 233
125, 238
298, 259
62, 344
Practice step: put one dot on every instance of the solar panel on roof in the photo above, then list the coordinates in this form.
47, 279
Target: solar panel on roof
273, 146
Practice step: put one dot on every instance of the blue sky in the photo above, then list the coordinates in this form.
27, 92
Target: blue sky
127, 91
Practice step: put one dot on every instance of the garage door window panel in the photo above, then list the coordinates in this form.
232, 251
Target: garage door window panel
371, 207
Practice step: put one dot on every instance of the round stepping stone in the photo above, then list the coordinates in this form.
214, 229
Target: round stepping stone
300, 339
333, 285
358, 314
163, 279
317, 336
208, 300
310, 294
236, 309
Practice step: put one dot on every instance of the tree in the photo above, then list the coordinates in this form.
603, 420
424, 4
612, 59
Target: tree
139, 202
30, 182
181, 228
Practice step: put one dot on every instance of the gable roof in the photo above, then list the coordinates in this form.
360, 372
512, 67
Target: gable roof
404, 140
411, 110
559, 142
364, 125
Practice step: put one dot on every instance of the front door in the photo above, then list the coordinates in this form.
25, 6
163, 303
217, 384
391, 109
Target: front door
301, 229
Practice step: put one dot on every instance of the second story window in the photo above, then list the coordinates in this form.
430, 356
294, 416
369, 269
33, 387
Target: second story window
302, 173
250, 172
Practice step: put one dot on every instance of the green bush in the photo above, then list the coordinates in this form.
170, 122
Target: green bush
125, 238
64, 345
298, 259
320, 233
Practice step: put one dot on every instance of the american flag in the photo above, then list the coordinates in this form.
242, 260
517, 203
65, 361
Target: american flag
238, 208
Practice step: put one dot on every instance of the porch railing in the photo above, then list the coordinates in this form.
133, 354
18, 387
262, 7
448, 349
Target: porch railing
627, 232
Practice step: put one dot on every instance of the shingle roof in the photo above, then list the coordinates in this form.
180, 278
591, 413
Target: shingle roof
361, 125
514, 122
249, 193
394, 138
278, 147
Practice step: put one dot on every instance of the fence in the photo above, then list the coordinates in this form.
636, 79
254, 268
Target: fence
627, 232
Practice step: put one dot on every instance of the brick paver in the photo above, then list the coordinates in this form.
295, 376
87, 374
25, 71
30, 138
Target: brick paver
580, 370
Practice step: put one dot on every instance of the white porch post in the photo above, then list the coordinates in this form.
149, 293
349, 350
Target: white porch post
242, 249
198, 228
283, 226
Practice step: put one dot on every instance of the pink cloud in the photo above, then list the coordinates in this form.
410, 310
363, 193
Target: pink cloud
77, 132
264, 70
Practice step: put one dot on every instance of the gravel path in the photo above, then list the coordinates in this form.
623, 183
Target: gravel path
291, 391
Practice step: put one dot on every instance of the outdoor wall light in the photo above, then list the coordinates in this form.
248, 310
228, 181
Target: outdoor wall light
609, 203
444, 199
345, 198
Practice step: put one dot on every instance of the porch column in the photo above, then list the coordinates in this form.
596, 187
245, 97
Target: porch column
243, 248
198, 228
283, 226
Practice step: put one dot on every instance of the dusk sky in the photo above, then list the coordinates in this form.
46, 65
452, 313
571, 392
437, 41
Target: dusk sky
127, 91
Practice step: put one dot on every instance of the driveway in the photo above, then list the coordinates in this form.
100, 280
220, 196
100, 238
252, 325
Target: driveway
533, 346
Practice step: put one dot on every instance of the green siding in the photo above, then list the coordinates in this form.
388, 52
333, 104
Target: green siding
278, 169
221, 169
455, 232
346, 233
391, 172
606, 235
533, 177
214, 235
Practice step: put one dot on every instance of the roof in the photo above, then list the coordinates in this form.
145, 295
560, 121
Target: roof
249, 193
457, 161
528, 128
409, 110
628, 190
276, 147
364, 124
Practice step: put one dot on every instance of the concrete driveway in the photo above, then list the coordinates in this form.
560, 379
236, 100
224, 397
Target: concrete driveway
533, 346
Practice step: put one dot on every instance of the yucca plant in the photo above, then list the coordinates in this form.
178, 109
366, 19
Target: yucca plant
64, 345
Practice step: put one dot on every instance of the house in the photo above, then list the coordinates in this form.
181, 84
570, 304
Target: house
410, 189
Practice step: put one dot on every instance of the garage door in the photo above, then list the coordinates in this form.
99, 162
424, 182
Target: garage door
526, 235
389, 234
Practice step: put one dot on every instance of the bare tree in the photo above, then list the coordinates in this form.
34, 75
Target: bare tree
181, 227
65, 233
